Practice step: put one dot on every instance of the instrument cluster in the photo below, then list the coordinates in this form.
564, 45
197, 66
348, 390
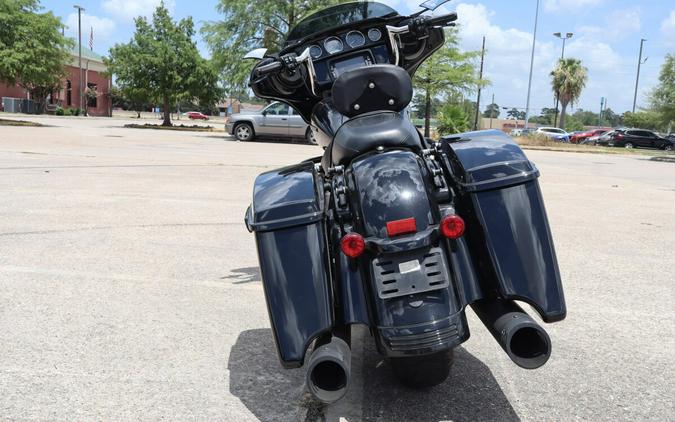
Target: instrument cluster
344, 42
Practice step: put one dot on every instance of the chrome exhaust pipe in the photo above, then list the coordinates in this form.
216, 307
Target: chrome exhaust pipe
524, 341
329, 370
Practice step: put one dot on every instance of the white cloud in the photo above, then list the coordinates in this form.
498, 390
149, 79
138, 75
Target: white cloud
668, 28
127, 10
569, 5
631, 21
507, 61
103, 28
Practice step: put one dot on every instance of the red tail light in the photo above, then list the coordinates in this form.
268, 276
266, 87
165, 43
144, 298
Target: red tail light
353, 245
398, 227
452, 226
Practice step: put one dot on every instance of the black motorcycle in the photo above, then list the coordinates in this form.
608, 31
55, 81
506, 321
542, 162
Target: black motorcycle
389, 229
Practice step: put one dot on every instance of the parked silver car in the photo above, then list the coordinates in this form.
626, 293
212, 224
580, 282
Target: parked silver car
277, 120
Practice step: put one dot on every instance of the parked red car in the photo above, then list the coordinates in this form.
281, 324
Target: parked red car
195, 115
575, 139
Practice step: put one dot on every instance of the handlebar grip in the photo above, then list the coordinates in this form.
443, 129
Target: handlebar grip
444, 20
268, 68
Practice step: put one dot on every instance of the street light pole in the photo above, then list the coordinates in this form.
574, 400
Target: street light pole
637, 79
482, 58
562, 57
79, 42
529, 84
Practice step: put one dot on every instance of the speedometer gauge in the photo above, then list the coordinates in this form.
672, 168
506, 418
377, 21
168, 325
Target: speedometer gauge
315, 51
333, 45
355, 39
374, 34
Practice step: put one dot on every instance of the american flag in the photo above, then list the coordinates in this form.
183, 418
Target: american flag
91, 39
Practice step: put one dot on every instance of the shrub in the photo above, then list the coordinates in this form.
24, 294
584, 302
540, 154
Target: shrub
59, 111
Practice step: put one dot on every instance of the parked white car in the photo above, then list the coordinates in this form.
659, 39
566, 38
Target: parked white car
555, 134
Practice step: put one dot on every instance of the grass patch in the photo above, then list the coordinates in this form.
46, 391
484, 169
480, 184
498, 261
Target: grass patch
10, 122
186, 128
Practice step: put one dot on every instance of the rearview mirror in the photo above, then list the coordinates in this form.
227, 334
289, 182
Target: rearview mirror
257, 54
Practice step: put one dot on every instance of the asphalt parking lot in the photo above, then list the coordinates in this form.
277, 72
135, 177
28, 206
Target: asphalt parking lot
130, 290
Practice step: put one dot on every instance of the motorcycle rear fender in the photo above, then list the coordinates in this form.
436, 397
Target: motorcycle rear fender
423, 311
287, 216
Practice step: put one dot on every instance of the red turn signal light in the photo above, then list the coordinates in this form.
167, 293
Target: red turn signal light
353, 245
452, 226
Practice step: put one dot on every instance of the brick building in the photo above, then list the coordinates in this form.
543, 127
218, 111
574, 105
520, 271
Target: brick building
93, 70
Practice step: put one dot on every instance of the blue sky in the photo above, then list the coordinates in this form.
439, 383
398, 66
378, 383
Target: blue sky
606, 38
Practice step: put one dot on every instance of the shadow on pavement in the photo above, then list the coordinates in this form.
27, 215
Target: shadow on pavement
272, 393
470, 393
269, 391
243, 275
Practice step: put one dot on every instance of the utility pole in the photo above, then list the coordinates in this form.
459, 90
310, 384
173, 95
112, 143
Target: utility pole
79, 38
562, 56
637, 79
529, 84
482, 58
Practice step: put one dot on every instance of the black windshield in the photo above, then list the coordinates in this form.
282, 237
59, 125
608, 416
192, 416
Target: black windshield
342, 14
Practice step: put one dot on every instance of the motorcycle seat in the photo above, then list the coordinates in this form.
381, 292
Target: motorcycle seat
368, 131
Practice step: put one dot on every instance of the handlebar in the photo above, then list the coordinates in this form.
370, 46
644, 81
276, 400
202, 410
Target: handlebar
278, 64
268, 68
443, 20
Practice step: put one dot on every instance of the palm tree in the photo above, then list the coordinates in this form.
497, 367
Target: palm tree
568, 79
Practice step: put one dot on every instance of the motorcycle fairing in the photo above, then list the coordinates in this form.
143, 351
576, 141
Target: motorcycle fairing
508, 232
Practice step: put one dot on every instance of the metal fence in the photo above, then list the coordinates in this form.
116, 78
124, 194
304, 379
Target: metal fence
18, 105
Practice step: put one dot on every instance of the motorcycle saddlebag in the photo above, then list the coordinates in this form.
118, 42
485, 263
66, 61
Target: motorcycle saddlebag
287, 218
507, 227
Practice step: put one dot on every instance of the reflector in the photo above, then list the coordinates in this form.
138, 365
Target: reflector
398, 227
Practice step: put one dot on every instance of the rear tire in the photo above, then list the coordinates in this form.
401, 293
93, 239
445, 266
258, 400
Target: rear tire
243, 132
421, 372
629, 145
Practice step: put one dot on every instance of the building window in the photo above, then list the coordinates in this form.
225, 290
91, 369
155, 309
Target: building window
69, 92
92, 95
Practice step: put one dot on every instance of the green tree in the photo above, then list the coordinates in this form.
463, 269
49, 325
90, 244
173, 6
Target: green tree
663, 95
161, 63
247, 25
568, 79
573, 124
644, 120
448, 72
33, 52
453, 119
491, 111
515, 114
419, 103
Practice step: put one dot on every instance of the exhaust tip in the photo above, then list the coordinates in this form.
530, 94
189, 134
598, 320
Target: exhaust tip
328, 371
529, 346
328, 381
